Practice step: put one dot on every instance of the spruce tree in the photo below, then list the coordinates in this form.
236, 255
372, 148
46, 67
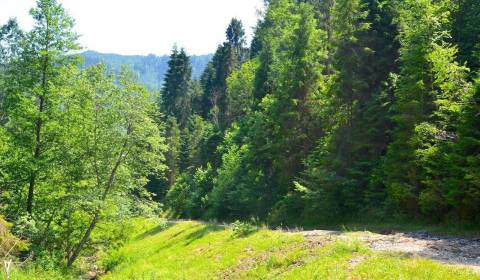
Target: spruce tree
176, 91
424, 35
228, 57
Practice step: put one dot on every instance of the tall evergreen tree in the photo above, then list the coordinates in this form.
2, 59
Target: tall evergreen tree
263, 154
176, 91
354, 119
446, 151
424, 33
228, 57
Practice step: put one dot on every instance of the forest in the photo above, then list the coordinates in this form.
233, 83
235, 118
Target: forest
151, 69
338, 111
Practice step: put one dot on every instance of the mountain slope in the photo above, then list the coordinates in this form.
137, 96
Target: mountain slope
151, 69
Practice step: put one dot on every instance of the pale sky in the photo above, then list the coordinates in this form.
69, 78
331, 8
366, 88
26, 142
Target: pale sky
147, 26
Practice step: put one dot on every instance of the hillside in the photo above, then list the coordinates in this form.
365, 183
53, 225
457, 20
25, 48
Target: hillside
151, 69
193, 250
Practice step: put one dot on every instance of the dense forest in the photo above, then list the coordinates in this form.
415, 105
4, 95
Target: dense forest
151, 69
338, 111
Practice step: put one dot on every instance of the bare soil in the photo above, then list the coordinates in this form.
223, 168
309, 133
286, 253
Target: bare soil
451, 250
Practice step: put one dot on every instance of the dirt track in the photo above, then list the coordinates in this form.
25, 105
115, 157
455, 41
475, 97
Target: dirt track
451, 250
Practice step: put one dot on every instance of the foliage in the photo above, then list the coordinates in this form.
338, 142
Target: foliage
228, 57
346, 110
81, 143
188, 197
176, 97
242, 229
10, 244
240, 87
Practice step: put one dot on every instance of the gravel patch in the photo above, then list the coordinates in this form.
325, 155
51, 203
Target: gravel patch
451, 250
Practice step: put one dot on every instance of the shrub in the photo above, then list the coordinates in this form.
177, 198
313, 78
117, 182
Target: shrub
110, 261
242, 229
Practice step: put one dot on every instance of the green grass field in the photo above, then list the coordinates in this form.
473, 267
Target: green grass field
191, 250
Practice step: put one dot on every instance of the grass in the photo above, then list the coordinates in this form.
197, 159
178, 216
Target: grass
33, 273
191, 250
104, 234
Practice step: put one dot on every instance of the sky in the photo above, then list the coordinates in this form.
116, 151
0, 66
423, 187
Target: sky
147, 26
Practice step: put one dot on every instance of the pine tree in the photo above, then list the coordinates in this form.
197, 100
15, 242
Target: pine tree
264, 152
424, 32
354, 119
444, 153
176, 91
467, 159
228, 57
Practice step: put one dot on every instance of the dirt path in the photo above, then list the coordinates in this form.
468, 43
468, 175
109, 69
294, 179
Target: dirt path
450, 250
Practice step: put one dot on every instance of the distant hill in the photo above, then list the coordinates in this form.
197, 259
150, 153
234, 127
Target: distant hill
151, 69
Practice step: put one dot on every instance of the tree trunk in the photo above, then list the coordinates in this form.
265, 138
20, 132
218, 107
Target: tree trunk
81, 244
38, 136
76, 252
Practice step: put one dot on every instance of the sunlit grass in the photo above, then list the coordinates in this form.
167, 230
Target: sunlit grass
32, 273
191, 250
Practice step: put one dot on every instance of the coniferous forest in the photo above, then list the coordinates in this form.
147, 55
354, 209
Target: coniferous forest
338, 111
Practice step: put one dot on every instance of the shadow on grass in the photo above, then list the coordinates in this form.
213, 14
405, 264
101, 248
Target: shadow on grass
181, 235
200, 233
243, 234
154, 231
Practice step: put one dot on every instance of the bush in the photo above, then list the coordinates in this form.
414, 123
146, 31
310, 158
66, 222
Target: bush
110, 261
25, 227
188, 196
9, 244
242, 229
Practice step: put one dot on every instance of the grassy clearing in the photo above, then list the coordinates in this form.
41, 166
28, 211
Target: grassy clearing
190, 250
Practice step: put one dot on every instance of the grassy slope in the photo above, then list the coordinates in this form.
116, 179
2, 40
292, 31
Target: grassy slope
190, 250
37, 274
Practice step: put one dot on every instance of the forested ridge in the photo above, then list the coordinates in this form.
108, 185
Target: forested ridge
150, 69
337, 111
